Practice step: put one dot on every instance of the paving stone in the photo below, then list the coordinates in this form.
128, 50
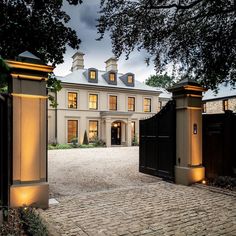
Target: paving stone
153, 209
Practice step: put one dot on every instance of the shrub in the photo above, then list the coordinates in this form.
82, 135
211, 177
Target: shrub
60, 146
74, 142
86, 146
225, 182
98, 143
85, 141
32, 223
135, 141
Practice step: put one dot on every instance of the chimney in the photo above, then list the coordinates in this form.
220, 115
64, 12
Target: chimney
111, 64
78, 61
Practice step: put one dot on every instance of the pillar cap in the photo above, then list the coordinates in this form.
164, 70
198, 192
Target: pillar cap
187, 84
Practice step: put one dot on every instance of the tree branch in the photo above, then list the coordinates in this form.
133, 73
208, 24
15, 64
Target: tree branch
177, 6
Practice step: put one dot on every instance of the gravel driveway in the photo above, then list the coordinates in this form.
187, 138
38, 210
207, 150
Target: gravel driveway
76, 171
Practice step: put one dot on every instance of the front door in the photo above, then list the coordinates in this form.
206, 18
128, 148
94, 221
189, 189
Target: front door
116, 133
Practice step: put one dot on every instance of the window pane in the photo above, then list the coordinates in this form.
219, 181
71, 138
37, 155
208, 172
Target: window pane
92, 74
112, 77
130, 79
147, 105
72, 100
93, 101
113, 102
225, 105
72, 130
132, 130
131, 104
93, 130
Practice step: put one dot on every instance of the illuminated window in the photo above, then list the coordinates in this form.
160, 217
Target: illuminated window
113, 102
147, 105
204, 107
112, 76
132, 130
130, 79
92, 74
225, 105
93, 130
93, 101
72, 100
72, 130
131, 104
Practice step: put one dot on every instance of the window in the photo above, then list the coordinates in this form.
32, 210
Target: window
147, 104
92, 74
72, 100
132, 130
225, 105
113, 102
72, 130
93, 130
160, 104
130, 79
112, 76
204, 107
93, 101
131, 104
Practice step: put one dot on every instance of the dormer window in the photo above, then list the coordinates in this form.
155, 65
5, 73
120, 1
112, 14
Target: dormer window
130, 79
112, 77
92, 74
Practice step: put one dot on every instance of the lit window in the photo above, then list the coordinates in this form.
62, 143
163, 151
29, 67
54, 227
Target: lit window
204, 107
113, 102
93, 130
225, 105
132, 130
72, 130
130, 79
147, 105
72, 100
131, 104
112, 76
93, 101
92, 74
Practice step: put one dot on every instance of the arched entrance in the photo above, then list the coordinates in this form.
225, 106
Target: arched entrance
116, 133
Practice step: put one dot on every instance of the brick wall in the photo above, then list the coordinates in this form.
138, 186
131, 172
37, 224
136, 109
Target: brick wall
217, 106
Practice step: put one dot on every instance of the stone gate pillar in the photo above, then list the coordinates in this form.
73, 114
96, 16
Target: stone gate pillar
188, 96
29, 110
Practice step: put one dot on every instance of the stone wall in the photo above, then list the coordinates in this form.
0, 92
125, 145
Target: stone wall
216, 106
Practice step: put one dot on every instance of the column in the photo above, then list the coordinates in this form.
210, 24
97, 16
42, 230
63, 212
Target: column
188, 97
29, 110
108, 132
128, 134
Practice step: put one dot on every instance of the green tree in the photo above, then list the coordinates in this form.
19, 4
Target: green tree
163, 81
37, 26
197, 36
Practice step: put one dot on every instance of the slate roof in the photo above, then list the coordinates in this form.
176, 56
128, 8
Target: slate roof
223, 92
78, 77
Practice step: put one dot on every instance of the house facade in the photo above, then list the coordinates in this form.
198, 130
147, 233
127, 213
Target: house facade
105, 103
224, 99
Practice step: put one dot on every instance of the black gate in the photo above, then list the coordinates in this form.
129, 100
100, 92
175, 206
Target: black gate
5, 147
157, 143
219, 140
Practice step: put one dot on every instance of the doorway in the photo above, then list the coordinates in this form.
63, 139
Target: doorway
116, 133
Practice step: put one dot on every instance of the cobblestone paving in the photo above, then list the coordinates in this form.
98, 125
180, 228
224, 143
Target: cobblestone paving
152, 209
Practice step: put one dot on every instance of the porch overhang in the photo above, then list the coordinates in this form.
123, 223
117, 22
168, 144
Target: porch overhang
115, 114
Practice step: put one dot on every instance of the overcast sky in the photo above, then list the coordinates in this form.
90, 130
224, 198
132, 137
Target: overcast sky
83, 20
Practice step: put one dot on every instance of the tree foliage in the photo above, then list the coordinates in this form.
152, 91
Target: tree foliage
197, 36
163, 81
38, 26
